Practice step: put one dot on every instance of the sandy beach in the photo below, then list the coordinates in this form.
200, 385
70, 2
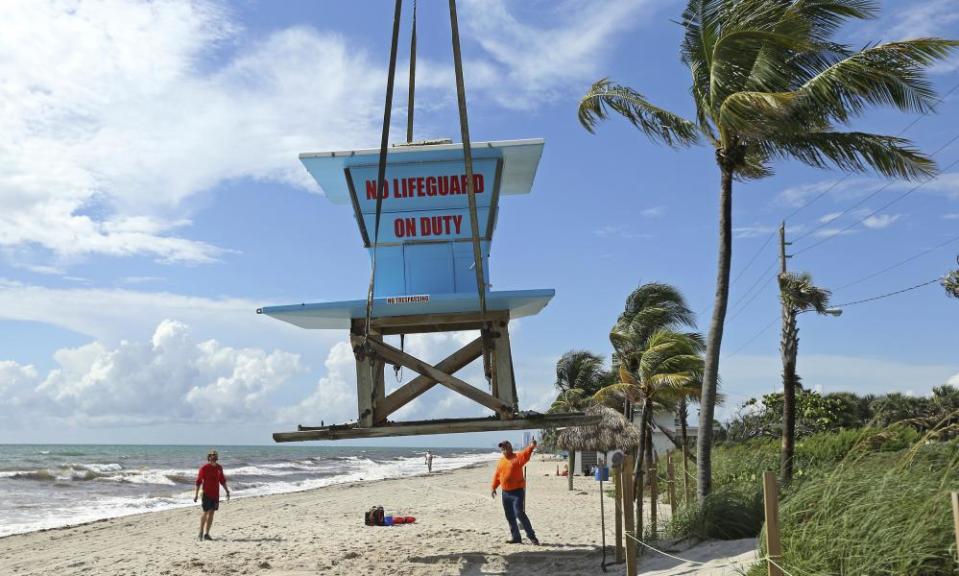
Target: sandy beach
459, 530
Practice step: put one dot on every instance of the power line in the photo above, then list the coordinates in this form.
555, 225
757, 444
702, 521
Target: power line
849, 174
881, 296
843, 305
762, 276
751, 340
898, 264
750, 301
869, 197
753, 259
876, 211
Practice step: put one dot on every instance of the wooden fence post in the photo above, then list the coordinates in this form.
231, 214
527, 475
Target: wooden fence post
955, 520
654, 497
771, 505
618, 482
628, 463
671, 482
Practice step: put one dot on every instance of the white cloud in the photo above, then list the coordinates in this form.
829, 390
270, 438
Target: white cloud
951, 216
654, 212
618, 231
155, 102
172, 377
841, 189
945, 184
880, 221
530, 65
954, 381
97, 158
830, 232
829, 217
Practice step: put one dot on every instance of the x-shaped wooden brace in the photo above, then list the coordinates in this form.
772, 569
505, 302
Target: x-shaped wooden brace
431, 375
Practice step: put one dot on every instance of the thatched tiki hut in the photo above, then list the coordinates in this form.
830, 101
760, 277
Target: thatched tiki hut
612, 432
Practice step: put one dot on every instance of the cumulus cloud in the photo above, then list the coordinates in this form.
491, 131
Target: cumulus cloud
171, 377
524, 66
97, 158
880, 221
155, 102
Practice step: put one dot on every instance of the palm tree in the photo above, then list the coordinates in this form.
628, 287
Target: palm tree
650, 307
768, 82
580, 370
579, 374
798, 294
652, 374
951, 283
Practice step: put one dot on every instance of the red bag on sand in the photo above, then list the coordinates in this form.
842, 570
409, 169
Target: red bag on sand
409, 519
399, 520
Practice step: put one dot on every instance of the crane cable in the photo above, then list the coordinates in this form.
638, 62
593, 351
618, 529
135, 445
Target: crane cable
471, 192
468, 161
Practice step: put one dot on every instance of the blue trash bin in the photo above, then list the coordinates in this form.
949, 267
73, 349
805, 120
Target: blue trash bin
601, 473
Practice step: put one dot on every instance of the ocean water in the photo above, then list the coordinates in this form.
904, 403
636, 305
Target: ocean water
47, 486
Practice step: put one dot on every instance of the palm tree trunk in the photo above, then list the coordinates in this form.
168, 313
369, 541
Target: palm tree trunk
638, 486
788, 348
653, 476
704, 444
683, 413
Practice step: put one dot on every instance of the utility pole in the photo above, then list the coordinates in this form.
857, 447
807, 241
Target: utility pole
787, 348
782, 247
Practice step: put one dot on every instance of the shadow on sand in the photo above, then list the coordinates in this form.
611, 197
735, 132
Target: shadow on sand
555, 560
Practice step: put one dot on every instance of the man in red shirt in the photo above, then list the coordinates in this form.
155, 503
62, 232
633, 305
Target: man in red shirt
210, 477
509, 475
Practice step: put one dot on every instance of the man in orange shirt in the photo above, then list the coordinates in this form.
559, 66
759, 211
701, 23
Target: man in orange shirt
509, 475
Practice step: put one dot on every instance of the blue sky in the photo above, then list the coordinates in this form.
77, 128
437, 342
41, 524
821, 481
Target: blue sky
152, 199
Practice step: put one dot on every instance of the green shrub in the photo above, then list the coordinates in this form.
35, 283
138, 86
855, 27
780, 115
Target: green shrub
729, 513
885, 514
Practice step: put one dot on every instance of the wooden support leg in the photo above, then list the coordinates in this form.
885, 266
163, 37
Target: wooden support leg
364, 392
504, 386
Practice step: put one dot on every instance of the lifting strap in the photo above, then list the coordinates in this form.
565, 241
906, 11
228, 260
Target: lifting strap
468, 162
471, 193
381, 171
412, 91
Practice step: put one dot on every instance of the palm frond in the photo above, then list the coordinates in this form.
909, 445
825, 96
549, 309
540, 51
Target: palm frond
618, 390
827, 16
888, 74
759, 114
799, 293
660, 125
855, 151
735, 58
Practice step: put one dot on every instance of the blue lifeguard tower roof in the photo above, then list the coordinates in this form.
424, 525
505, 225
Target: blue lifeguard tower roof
424, 253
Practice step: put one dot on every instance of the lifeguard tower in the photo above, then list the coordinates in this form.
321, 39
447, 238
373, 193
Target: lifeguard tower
425, 281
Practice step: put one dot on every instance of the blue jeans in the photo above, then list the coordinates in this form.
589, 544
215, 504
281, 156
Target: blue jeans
514, 504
